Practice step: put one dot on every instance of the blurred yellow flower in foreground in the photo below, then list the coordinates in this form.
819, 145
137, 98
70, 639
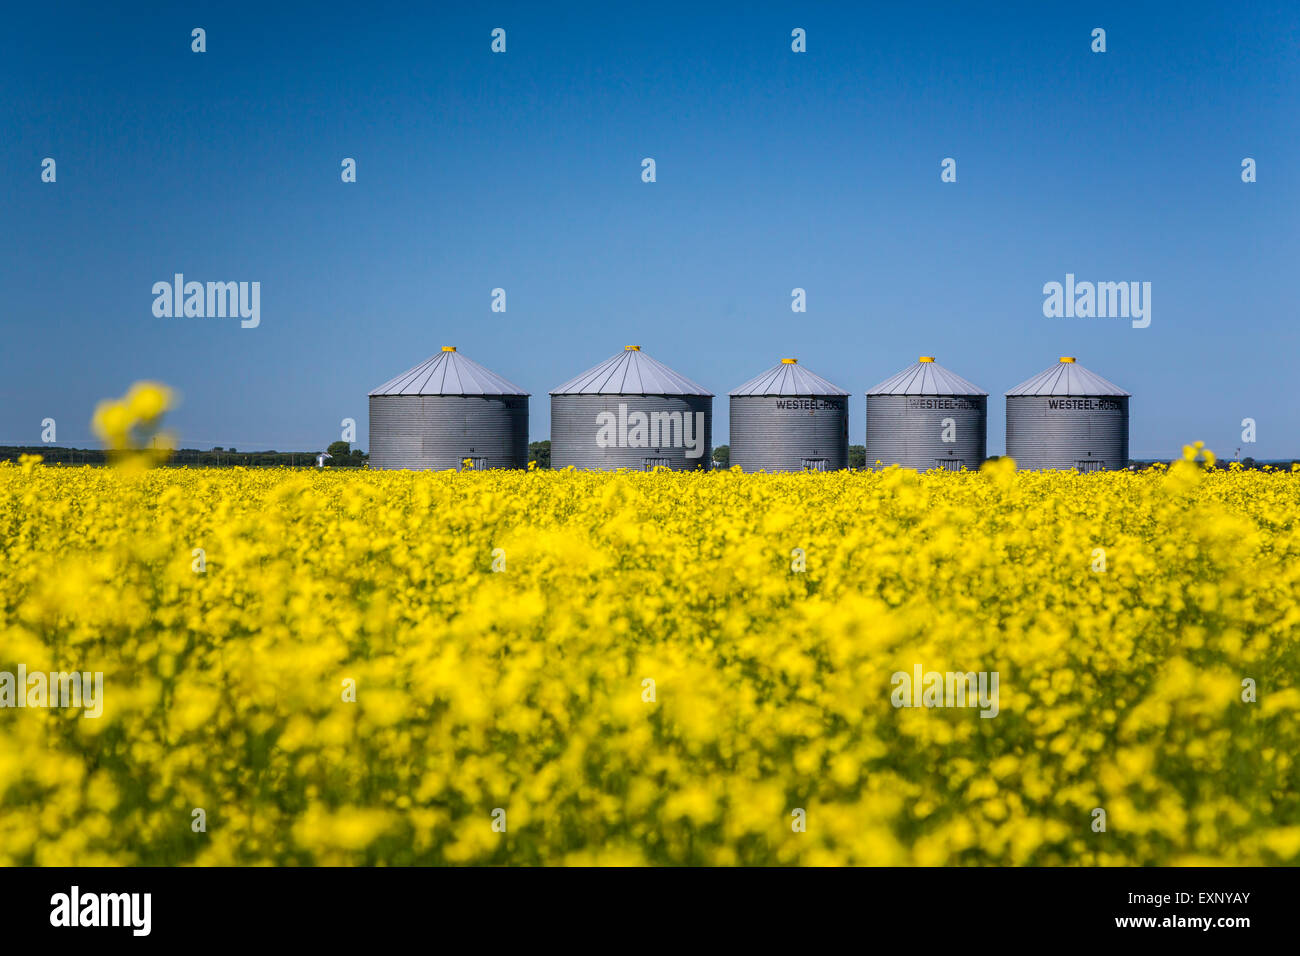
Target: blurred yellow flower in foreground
129, 426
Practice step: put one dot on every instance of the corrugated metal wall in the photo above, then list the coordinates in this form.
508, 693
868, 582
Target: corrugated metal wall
1061, 431
908, 430
438, 431
576, 424
780, 432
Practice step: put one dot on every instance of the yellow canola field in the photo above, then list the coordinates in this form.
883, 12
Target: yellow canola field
646, 677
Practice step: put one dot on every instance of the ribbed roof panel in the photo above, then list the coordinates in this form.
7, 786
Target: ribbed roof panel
448, 373
630, 372
1067, 378
788, 378
926, 378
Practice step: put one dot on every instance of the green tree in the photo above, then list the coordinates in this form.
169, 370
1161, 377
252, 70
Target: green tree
857, 456
339, 454
540, 452
722, 456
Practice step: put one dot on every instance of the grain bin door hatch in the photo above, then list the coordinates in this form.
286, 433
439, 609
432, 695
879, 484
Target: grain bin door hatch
948, 464
815, 464
473, 463
1090, 464
650, 464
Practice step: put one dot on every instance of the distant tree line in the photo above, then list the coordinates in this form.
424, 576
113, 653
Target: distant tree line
218, 457
1225, 464
539, 452
342, 455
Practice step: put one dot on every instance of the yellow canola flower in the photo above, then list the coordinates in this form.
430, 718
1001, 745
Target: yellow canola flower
146, 401
597, 669
112, 423
129, 426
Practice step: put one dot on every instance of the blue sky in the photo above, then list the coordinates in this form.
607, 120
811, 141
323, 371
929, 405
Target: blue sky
522, 170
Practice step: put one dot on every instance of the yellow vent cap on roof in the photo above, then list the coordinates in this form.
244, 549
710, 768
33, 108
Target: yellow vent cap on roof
631, 348
926, 358
1067, 359
449, 348
789, 361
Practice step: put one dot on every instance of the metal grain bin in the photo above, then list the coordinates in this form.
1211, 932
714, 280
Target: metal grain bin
1068, 417
789, 419
447, 410
927, 417
631, 412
